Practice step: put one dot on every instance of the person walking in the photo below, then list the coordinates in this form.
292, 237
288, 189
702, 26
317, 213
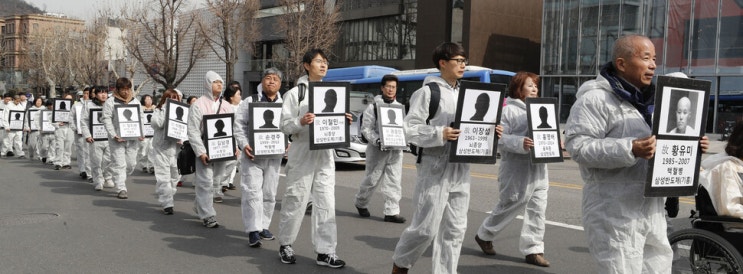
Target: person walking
164, 157
383, 167
99, 151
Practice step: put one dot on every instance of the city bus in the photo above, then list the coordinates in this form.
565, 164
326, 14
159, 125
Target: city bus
359, 72
412, 80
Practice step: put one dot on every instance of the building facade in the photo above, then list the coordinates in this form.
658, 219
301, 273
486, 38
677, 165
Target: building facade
702, 38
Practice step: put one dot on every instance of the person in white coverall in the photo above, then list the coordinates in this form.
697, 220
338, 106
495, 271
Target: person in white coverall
4, 104
99, 152
206, 172
163, 155
232, 96
33, 135
47, 142
383, 167
608, 133
123, 152
81, 146
259, 177
523, 185
13, 141
442, 189
308, 172
145, 147
64, 138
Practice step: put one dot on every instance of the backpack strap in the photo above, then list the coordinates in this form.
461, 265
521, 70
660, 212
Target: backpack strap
256, 98
302, 90
433, 107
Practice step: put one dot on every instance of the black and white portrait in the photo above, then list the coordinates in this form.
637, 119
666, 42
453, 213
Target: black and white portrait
480, 106
543, 116
265, 117
391, 116
221, 127
62, 104
681, 112
128, 114
329, 99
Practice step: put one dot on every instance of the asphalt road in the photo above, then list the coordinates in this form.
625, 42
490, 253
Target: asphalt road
54, 222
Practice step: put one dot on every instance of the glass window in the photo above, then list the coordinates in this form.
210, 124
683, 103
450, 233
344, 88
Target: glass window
703, 38
570, 34
589, 41
657, 30
551, 37
609, 29
678, 25
731, 38
567, 96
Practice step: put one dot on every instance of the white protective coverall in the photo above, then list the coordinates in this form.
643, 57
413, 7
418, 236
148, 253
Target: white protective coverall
81, 146
64, 138
123, 154
164, 159
308, 172
47, 141
99, 152
626, 231
722, 179
13, 139
523, 186
206, 175
259, 178
442, 189
145, 150
33, 135
382, 167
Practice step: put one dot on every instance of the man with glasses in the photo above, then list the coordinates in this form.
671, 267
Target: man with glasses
442, 189
382, 166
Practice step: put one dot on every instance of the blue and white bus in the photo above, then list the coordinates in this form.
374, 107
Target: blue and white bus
412, 80
360, 72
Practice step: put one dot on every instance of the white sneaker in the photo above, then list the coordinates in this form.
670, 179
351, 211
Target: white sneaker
98, 187
108, 184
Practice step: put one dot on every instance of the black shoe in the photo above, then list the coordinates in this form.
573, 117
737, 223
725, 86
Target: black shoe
231, 187
266, 235
394, 219
10, 154
57, 167
286, 253
254, 239
308, 210
224, 189
330, 260
84, 175
168, 211
672, 206
67, 166
363, 212
43, 160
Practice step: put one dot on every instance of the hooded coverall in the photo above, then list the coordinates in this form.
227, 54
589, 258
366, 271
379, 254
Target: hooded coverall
164, 159
81, 146
99, 152
123, 154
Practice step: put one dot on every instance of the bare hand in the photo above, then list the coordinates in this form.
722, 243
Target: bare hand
141, 139
528, 143
204, 159
119, 139
249, 152
499, 131
644, 147
704, 143
89, 140
451, 134
307, 119
349, 117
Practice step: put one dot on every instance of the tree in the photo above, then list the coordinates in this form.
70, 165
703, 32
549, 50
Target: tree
307, 24
230, 26
162, 37
48, 57
88, 57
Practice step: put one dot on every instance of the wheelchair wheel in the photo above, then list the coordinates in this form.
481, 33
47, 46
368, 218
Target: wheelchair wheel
701, 251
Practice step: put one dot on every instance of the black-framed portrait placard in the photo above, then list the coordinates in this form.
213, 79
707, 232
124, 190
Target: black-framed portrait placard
264, 135
176, 120
218, 136
61, 110
47, 126
148, 131
128, 124
329, 101
390, 124
478, 112
31, 116
15, 120
679, 121
544, 130
97, 129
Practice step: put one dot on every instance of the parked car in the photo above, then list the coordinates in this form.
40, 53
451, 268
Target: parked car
357, 151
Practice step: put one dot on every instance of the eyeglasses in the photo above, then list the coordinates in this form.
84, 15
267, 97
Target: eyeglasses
390, 87
461, 61
321, 61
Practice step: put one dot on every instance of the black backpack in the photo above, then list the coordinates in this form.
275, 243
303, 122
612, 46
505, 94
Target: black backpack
186, 159
433, 106
300, 94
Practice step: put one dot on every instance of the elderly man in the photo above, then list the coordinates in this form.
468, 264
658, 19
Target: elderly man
608, 133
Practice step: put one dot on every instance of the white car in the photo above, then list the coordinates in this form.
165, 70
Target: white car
357, 151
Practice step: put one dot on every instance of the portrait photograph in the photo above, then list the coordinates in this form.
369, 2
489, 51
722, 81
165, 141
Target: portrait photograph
543, 116
480, 106
220, 127
62, 104
148, 130
95, 125
127, 114
328, 97
390, 116
681, 112
61, 111
264, 118
177, 111
96, 117
15, 120
31, 118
